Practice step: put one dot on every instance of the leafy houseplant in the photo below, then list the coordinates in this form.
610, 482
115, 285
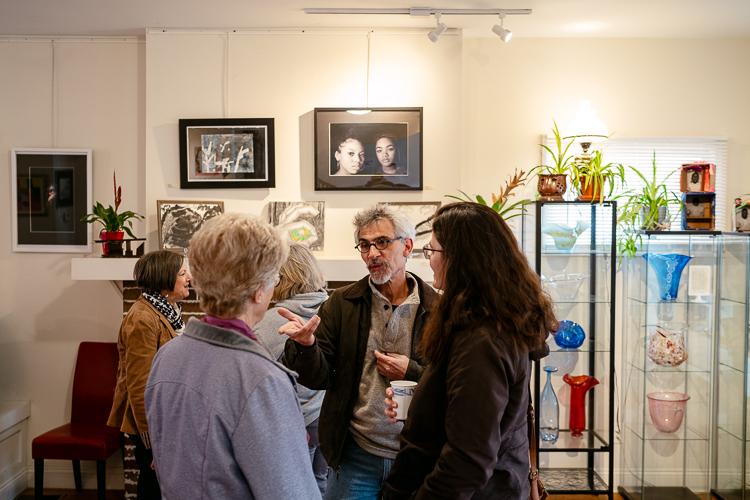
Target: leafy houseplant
646, 209
552, 182
113, 222
500, 203
591, 179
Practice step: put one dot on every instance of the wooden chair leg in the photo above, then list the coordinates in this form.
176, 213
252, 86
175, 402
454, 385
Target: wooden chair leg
101, 471
77, 474
38, 478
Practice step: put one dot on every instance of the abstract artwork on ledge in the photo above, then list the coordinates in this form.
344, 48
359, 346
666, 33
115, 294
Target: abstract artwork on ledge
179, 220
302, 221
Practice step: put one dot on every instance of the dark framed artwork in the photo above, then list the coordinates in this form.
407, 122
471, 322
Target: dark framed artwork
179, 220
51, 193
368, 149
227, 153
420, 213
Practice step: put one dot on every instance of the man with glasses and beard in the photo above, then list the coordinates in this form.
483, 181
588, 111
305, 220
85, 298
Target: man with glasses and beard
364, 336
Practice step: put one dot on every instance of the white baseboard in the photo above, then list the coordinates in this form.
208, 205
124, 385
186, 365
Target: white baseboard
59, 474
13, 487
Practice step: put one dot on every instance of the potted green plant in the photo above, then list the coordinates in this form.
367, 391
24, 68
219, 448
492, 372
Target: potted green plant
552, 183
500, 203
592, 179
115, 225
647, 209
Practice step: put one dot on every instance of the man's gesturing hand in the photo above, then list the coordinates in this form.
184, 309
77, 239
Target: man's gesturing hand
297, 329
392, 365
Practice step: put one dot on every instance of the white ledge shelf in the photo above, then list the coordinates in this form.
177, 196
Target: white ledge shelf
334, 268
13, 413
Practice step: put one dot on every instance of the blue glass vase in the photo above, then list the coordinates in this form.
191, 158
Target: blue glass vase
570, 335
549, 411
668, 269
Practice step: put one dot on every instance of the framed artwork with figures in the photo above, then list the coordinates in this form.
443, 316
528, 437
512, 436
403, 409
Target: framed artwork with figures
368, 149
227, 153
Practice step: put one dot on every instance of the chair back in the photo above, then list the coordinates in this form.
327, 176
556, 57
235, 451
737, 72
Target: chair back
94, 382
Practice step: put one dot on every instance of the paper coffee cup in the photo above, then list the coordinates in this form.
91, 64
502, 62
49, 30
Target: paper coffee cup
403, 390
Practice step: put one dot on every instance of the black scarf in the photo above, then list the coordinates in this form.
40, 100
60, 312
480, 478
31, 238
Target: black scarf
164, 307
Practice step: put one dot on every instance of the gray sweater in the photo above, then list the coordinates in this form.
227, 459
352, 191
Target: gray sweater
225, 421
305, 305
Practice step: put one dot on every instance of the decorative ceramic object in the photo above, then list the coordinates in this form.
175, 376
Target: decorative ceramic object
668, 269
579, 386
667, 346
552, 187
667, 410
549, 411
566, 285
565, 236
570, 335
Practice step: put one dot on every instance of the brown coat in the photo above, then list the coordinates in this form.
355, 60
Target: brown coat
142, 332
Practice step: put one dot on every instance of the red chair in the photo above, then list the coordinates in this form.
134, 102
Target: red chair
87, 436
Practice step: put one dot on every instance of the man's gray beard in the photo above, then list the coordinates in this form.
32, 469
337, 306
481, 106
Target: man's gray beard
382, 277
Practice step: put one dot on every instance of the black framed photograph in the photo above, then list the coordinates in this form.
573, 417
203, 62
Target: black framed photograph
51, 193
179, 220
368, 149
227, 153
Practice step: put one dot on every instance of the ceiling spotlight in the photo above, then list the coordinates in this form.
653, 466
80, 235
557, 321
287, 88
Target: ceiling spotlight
498, 29
434, 35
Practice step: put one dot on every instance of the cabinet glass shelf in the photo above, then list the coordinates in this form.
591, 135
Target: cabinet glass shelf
573, 481
657, 465
685, 433
577, 465
590, 441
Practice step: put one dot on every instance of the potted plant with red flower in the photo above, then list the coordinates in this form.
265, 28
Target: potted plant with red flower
115, 225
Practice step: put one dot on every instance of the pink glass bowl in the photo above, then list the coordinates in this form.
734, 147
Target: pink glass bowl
667, 410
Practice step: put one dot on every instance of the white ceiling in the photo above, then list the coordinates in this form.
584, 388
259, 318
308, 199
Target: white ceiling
550, 18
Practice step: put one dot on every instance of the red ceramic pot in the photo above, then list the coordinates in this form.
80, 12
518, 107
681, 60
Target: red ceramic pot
552, 187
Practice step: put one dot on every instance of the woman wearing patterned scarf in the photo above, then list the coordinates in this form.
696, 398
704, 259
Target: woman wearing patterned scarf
153, 320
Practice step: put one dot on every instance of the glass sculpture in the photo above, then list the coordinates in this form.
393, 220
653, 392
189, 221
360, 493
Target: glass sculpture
549, 413
668, 269
579, 386
570, 335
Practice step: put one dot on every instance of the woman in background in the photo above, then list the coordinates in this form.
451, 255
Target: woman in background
466, 435
388, 154
301, 291
152, 321
349, 154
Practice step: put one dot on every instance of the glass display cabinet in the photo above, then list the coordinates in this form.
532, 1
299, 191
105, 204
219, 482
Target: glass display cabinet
730, 448
669, 324
571, 245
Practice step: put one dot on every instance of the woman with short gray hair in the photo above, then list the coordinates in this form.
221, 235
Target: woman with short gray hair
224, 416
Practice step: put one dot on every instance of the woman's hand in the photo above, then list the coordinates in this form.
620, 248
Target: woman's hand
297, 329
390, 411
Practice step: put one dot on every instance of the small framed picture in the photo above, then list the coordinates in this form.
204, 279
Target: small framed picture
227, 153
368, 149
179, 220
51, 193
421, 214
302, 221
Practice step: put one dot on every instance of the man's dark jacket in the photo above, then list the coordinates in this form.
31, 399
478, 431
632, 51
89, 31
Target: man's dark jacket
336, 359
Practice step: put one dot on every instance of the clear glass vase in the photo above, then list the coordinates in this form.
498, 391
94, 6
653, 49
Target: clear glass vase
549, 411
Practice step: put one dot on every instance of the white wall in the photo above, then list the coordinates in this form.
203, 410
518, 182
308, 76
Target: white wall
486, 104
639, 87
99, 104
286, 76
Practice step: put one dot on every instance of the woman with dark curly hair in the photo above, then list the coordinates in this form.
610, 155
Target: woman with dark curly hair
466, 435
